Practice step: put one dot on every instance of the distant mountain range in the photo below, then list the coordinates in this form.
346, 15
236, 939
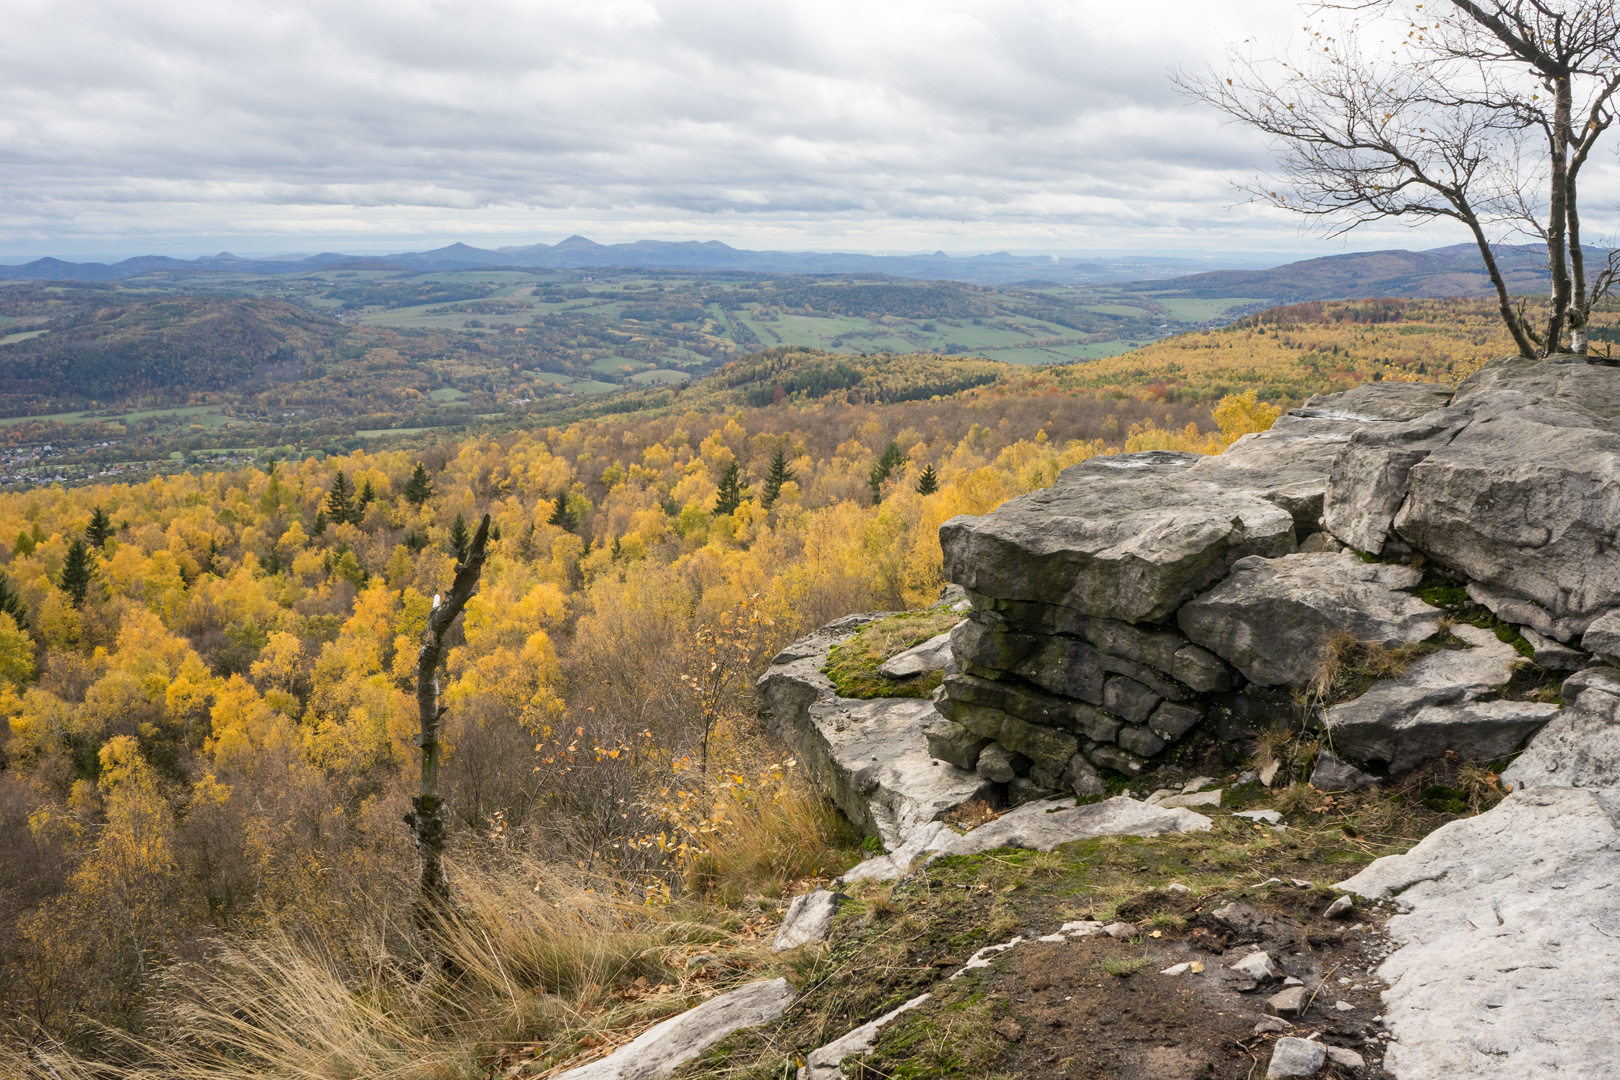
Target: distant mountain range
577, 252
1441, 272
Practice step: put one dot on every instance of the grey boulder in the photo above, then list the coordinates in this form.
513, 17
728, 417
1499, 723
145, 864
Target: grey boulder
1433, 707
1296, 1057
808, 919
663, 1048
1131, 545
1331, 774
1273, 618
1507, 938
1602, 638
1580, 746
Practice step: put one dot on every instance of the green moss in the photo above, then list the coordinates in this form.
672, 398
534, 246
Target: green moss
852, 665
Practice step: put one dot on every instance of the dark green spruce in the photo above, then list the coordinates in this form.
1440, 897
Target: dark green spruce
928, 482
778, 475
77, 570
418, 489
730, 495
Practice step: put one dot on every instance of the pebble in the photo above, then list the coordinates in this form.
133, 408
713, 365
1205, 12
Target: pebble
1270, 1025
1122, 930
1177, 887
1340, 1055
1344, 1006
1287, 1002
1296, 1057
1339, 908
1258, 966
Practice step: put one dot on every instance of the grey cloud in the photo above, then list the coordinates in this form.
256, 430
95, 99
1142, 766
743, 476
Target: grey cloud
513, 120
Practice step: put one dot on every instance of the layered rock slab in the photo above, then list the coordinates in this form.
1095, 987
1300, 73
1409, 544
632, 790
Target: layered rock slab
871, 757
1272, 619
1435, 707
1509, 940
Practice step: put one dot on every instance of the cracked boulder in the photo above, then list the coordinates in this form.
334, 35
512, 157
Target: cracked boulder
1580, 746
1043, 825
1436, 706
1273, 618
871, 757
1111, 541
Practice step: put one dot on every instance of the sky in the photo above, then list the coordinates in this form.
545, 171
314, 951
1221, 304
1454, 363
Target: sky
182, 128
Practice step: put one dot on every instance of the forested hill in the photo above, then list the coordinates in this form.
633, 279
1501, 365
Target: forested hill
184, 343
1455, 271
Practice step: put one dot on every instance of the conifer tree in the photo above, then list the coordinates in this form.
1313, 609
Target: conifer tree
320, 523
779, 475
368, 495
12, 604
928, 482
892, 459
77, 570
562, 515
99, 529
418, 489
459, 538
731, 493
339, 501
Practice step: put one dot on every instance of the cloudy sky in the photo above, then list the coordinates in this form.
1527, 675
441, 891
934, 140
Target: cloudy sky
183, 127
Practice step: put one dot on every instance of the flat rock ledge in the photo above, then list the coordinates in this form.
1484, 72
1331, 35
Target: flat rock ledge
662, 1049
1510, 938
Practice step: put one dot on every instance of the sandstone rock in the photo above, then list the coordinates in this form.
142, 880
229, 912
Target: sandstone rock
1368, 480
1580, 746
870, 757
1418, 716
1346, 1057
1602, 638
1129, 699
1048, 748
1115, 541
1523, 499
985, 647
808, 919
1507, 937
1171, 721
1296, 1057
1026, 703
1042, 826
932, 655
662, 1049
1339, 909
954, 743
1065, 666
1080, 777
823, 1063
1331, 774
1272, 618
1257, 966
1289, 1001
1140, 740
1113, 757
1553, 656
1001, 765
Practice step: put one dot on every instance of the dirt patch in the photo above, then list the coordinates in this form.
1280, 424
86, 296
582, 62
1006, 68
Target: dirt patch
1098, 1007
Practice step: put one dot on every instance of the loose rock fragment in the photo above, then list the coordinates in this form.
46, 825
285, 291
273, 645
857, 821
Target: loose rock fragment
1289, 1001
1296, 1057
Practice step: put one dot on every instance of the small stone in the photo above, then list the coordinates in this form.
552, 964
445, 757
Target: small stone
1197, 783
1331, 774
1082, 929
1247, 776
1124, 931
1270, 817
1177, 969
1296, 1057
1300, 883
1257, 966
1080, 777
1269, 773
1344, 1006
1163, 793
1291, 981
1271, 1025
1197, 798
1001, 765
1340, 1055
1339, 908
1177, 887
1289, 1001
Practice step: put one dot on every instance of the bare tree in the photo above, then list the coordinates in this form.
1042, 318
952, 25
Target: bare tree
427, 817
1480, 111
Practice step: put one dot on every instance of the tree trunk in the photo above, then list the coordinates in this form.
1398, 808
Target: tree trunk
427, 818
1558, 214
